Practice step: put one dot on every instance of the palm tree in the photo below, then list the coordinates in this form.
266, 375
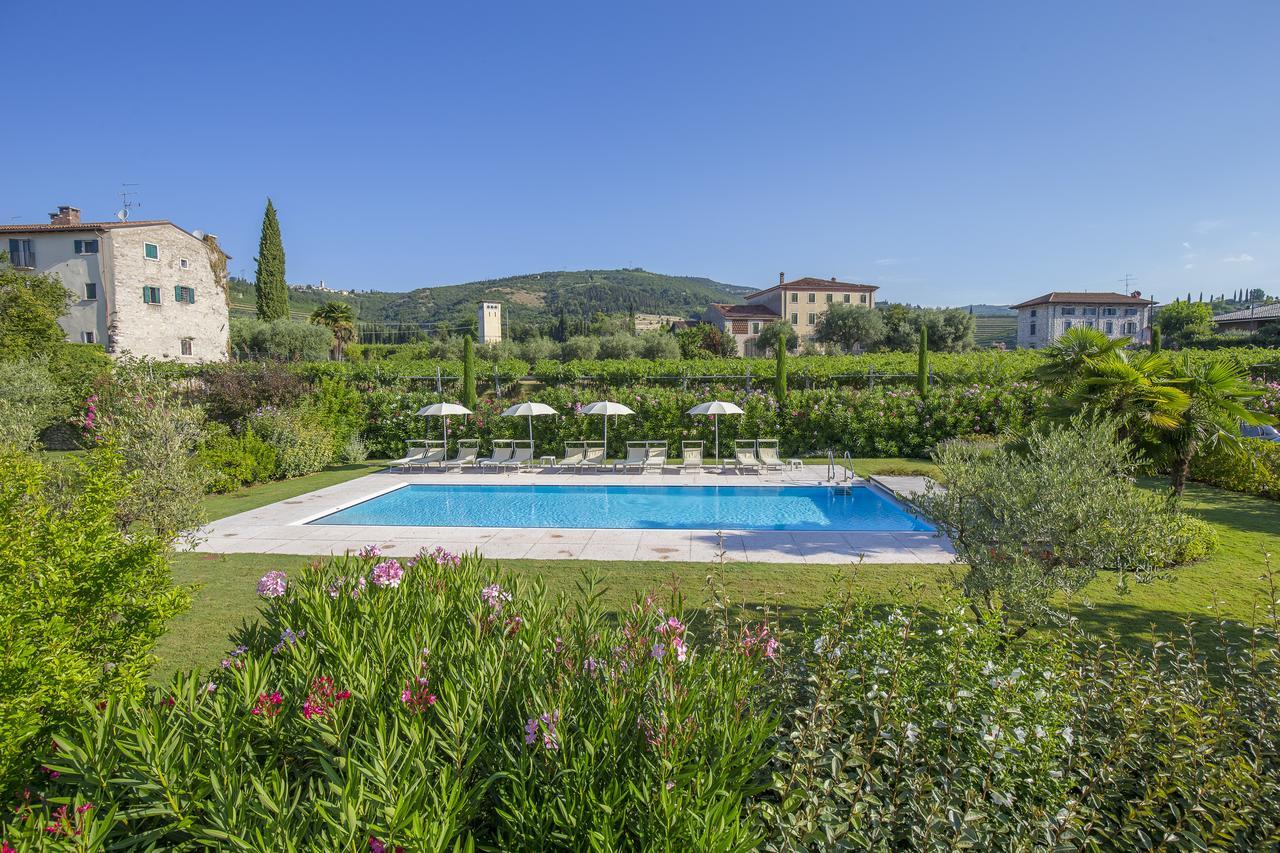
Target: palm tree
1217, 391
1070, 357
340, 319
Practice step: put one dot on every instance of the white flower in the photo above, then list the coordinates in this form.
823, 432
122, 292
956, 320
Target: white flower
988, 668
1068, 735
1040, 732
1020, 734
992, 734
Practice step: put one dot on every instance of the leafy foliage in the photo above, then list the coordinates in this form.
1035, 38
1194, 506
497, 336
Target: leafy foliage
465, 708
849, 327
81, 603
777, 334
1182, 321
30, 401
949, 329
340, 319
279, 340
1040, 519
1255, 471
30, 305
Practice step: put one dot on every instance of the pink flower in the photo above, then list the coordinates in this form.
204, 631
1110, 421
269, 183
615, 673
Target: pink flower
546, 724
495, 596
268, 705
369, 551
273, 584
387, 574
416, 697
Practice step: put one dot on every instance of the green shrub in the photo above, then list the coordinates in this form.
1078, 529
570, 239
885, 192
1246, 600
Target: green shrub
279, 340
436, 703
337, 408
927, 731
355, 450
30, 401
232, 461
1197, 540
1255, 473
300, 446
81, 603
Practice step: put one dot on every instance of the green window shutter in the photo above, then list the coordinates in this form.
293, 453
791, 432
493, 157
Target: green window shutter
191, 295
177, 293
146, 297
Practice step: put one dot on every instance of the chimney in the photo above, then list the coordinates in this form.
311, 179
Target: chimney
833, 279
1136, 294
66, 215
782, 278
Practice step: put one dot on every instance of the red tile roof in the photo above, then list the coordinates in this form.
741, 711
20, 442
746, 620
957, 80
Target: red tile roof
746, 312
809, 283
83, 226
1086, 298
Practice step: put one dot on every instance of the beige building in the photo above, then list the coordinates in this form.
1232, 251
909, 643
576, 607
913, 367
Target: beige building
489, 322
144, 288
800, 303
1042, 320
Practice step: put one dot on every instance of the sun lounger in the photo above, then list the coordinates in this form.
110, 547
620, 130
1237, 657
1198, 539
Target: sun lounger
744, 456
418, 453
656, 456
502, 450
521, 456
594, 457
468, 449
691, 453
574, 452
637, 455
434, 455
767, 453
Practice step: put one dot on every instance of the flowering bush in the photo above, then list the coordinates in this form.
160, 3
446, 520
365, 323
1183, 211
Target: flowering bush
1256, 472
931, 731
429, 702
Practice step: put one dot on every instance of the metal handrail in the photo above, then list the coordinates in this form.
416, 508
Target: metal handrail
848, 468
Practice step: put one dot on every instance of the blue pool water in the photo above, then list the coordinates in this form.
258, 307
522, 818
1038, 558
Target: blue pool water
633, 507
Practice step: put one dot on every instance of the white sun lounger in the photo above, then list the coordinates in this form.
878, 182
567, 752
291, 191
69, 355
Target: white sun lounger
767, 453
594, 458
521, 456
574, 452
637, 456
744, 456
502, 450
691, 456
656, 456
468, 449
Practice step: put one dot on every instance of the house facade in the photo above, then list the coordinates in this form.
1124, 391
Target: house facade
1249, 319
1042, 320
144, 288
801, 303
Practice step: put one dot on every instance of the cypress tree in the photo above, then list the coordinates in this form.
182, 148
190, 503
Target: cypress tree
780, 373
1155, 339
922, 362
468, 373
273, 293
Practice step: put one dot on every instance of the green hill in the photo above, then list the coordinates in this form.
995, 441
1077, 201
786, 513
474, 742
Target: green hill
535, 298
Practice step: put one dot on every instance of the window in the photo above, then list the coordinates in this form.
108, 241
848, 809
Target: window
151, 251
813, 297
1108, 312
1033, 313
1066, 325
1090, 312
846, 299
1110, 326
755, 327
1131, 312
184, 294
22, 254
795, 319
830, 298
1130, 328
184, 263
863, 298
185, 343
795, 297
86, 247
89, 337
1068, 312
151, 295
813, 319
90, 290
1033, 329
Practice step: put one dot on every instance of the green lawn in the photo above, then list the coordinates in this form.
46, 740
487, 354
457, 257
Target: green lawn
1232, 578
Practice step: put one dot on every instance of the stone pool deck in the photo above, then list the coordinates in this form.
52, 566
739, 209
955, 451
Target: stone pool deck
281, 528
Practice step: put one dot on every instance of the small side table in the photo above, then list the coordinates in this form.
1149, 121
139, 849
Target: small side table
547, 461
796, 464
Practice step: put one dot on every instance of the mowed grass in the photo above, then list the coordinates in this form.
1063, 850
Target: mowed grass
1230, 584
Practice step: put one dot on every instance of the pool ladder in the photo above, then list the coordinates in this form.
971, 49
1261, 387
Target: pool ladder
845, 472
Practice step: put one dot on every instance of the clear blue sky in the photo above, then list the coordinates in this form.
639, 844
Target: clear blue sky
950, 152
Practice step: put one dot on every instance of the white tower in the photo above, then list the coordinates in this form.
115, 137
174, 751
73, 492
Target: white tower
490, 325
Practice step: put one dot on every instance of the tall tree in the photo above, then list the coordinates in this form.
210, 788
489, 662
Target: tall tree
775, 335
780, 376
339, 318
30, 305
849, 327
273, 293
1155, 339
922, 362
468, 373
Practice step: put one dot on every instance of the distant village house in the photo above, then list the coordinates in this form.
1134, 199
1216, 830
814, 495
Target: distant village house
146, 288
800, 303
1248, 319
1042, 320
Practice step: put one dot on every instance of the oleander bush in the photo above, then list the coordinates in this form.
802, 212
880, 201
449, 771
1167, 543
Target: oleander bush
930, 731
423, 705
81, 602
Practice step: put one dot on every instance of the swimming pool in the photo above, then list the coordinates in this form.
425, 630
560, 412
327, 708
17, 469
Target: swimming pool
632, 507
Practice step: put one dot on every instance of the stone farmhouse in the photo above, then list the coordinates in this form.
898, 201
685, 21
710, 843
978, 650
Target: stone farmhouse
146, 288
1042, 320
800, 303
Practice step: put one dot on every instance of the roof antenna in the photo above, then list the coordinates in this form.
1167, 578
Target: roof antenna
125, 203
1127, 280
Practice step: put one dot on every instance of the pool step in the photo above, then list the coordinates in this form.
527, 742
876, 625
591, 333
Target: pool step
842, 490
